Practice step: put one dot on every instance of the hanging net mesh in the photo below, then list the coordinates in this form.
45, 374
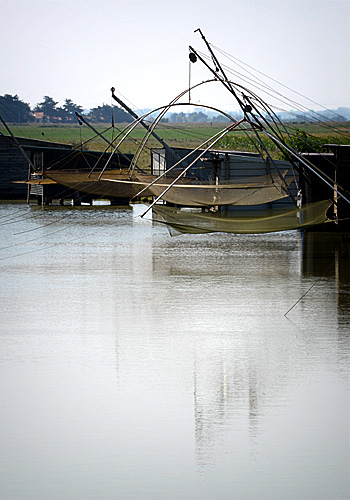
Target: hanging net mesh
193, 221
245, 191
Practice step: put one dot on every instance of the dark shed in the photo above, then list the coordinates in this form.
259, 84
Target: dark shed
14, 166
335, 163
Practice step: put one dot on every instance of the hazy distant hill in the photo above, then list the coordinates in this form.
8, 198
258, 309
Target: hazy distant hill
338, 115
341, 114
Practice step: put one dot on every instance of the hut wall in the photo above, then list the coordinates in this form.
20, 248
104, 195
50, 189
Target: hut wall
228, 165
15, 167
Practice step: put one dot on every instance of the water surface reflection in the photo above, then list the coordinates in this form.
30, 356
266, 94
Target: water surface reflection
135, 365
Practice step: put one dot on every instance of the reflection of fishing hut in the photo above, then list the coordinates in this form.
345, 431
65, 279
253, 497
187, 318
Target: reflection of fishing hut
326, 255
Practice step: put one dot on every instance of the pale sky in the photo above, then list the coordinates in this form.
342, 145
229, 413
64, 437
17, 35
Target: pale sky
79, 49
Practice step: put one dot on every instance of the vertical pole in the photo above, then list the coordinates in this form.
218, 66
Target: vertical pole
29, 185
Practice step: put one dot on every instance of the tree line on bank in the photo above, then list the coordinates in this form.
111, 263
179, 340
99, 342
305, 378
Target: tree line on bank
14, 110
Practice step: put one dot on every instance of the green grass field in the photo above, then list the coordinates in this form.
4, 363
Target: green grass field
176, 135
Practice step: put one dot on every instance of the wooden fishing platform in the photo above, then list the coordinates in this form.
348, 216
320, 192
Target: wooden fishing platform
15, 169
19, 182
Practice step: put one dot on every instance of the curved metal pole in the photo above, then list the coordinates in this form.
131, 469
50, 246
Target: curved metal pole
227, 129
191, 152
131, 127
229, 85
164, 144
232, 87
166, 108
140, 119
152, 127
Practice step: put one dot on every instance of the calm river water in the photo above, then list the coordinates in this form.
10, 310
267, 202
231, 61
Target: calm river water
135, 365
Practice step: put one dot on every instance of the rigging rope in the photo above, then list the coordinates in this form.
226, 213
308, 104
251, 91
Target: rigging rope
234, 59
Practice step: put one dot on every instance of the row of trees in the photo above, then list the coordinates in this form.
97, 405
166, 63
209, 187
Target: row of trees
13, 110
